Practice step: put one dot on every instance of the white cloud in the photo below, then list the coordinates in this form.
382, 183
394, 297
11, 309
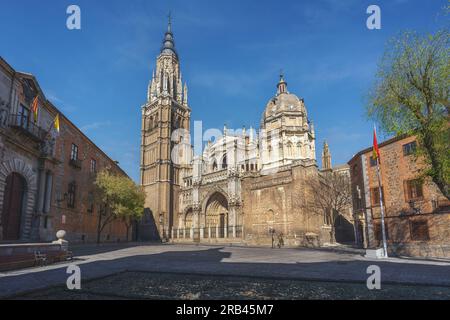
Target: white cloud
95, 125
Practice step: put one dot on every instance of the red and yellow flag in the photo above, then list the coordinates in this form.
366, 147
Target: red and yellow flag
376, 151
35, 107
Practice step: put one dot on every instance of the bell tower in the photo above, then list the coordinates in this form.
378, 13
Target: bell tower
165, 120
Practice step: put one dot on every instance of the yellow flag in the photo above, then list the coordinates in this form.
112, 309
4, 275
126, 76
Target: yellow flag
56, 122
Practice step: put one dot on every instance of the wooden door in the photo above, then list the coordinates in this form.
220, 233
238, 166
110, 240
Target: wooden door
12, 206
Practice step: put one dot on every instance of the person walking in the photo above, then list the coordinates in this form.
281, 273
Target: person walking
280, 240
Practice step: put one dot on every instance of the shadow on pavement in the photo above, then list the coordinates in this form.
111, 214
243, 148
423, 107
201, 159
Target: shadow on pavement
219, 262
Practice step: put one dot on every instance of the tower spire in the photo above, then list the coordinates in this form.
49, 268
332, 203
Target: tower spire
168, 46
326, 157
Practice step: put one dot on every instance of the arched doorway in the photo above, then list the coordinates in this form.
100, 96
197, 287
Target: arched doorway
216, 214
13, 206
188, 219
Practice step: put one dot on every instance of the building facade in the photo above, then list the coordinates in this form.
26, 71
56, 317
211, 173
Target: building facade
246, 186
417, 214
46, 177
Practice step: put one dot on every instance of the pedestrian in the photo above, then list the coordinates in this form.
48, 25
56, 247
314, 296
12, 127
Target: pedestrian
272, 233
280, 240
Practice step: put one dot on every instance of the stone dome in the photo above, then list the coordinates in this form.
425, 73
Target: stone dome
284, 102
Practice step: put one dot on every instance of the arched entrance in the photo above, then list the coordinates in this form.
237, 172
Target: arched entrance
13, 206
216, 214
188, 219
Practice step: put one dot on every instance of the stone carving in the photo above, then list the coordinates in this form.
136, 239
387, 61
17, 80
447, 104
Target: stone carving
234, 201
4, 112
196, 181
233, 172
196, 206
2, 151
48, 146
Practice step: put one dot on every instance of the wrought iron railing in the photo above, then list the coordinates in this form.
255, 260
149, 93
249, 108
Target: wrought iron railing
212, 232
27, 126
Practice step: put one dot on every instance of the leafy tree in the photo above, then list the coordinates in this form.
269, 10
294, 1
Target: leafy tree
411, 97
121, 199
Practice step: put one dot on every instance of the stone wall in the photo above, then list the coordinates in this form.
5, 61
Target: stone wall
279, 202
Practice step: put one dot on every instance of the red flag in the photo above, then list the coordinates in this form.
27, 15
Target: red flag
376, 151
34, 108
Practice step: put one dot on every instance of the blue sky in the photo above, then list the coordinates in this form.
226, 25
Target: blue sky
231, 53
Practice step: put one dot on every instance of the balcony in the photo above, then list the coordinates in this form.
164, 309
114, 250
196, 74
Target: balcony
76, 163
29, 128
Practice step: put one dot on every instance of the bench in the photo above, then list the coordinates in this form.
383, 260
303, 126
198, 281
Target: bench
67, 255
40, 259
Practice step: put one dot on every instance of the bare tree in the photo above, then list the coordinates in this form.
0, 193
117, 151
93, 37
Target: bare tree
331, 195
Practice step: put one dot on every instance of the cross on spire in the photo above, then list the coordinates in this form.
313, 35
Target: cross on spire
169, 19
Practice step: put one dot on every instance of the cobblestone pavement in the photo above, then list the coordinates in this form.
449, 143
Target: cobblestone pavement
146, 285
219, 261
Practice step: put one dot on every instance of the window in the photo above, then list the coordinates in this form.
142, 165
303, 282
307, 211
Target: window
375, 196
74, 152
373, 161
90, 207
378, 231
224, 162
409, 148
289, 149
93, 166
71, 195
413, 189
358, 200
419, 230
23, 117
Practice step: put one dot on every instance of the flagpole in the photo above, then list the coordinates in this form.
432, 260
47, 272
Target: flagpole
383, 229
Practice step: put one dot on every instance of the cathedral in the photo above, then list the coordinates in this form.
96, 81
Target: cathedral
245, 187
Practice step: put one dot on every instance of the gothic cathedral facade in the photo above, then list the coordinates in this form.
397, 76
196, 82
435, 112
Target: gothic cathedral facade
245, 187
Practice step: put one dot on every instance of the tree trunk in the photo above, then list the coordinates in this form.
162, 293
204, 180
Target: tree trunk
99, 226
332, 234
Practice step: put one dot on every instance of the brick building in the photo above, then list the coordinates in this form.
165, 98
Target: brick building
417, 214
46, 177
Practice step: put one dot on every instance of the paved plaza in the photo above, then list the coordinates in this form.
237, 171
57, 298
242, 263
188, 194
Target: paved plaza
262, 273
